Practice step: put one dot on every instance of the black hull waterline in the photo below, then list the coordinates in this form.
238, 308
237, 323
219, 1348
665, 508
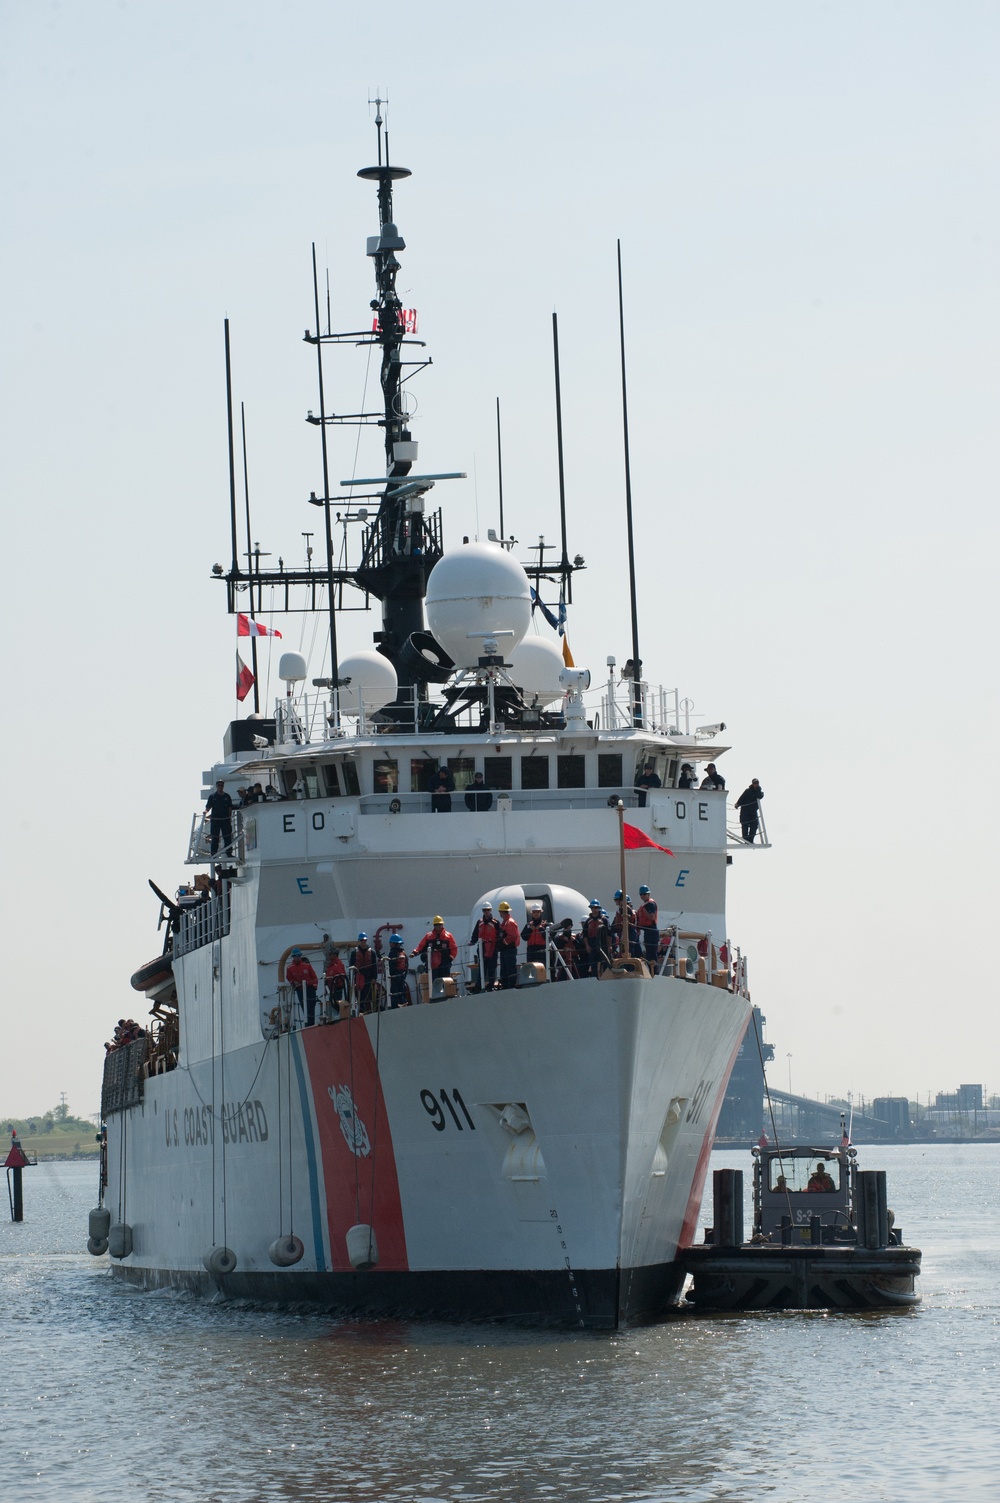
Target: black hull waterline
589, 1299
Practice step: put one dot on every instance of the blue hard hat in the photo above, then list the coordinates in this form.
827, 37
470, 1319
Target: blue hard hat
296, 951
643, 890
395, 939
362, 936
618, 896
594, 903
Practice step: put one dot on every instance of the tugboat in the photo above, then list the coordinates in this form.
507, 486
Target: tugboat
823, 1237
422, 1140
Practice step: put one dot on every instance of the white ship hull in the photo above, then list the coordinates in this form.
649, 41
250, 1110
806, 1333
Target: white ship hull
571, 1210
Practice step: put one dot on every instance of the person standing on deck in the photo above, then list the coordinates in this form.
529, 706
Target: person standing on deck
438, 947
535, 935
648, 778
302, 978
398, 966
442, 786
510, 938
363, 963
335, 977
647, 916
596, 936
487, 934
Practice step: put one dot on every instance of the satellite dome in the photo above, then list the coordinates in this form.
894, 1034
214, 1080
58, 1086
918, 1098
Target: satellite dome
373, 682
535, 666
292, 667
480, 589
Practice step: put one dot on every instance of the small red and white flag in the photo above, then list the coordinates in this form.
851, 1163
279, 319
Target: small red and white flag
244, 679
246, 627
635, 840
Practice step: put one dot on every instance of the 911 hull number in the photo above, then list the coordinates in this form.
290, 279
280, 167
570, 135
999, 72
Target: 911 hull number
435, 1106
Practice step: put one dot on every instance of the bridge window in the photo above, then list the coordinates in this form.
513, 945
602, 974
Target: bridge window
609, 770
349, 772
462, 770
572, 771
331, 783
534, 772
497, 772
385, 776
422, 769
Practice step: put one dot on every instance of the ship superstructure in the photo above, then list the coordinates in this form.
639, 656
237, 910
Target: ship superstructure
534, 1153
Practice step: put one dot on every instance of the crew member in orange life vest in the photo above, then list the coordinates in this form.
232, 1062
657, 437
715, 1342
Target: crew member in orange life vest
440, 948
564, 941
647, 916
534, 935
596, 937
510, 938
623, 903
300, 975
487, 933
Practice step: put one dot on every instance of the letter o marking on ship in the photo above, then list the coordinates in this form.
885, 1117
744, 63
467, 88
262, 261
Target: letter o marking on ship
319, 820
681, 808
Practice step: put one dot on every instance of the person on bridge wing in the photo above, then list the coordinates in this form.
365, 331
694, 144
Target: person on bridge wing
487, 934
510, 938
713, 779
438, 948
596, 937
300, 975
364, 964
478, 795
647, 779
219, 813
748, 804
398, 965
647, 916
442, 786
535, 935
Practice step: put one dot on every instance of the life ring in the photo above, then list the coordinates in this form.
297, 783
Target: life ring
153, 974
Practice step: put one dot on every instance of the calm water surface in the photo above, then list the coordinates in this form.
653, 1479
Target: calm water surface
108, 1393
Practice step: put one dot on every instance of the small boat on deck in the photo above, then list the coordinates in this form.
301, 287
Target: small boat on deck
823, 1238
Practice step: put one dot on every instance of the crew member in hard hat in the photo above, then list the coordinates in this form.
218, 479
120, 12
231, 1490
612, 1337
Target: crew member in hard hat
300, 975
647, 916
623, 906
363, 963
596, 936
487, 934
335, 977
398, 967
438, 948
564, 940
535, 935
510, 938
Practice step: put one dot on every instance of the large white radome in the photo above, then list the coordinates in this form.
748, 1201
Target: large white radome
535, 666
373, 681
479, 588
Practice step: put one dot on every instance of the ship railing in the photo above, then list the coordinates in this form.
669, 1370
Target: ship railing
200, 841
504, 801
693, 955
205, 921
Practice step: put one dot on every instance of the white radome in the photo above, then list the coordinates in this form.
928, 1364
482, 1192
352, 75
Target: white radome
373, 682
535, 666
478, 589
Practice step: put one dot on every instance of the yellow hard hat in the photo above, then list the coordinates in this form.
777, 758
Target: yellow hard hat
504, 907
437, 919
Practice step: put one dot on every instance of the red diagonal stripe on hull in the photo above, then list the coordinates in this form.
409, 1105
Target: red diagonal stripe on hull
341, 1057
698, 1187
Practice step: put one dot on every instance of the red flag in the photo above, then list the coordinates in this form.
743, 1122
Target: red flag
244, 679
635, 840
762, 1140
245, 627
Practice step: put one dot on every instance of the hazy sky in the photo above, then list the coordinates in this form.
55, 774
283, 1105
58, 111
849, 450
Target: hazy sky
807, 197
